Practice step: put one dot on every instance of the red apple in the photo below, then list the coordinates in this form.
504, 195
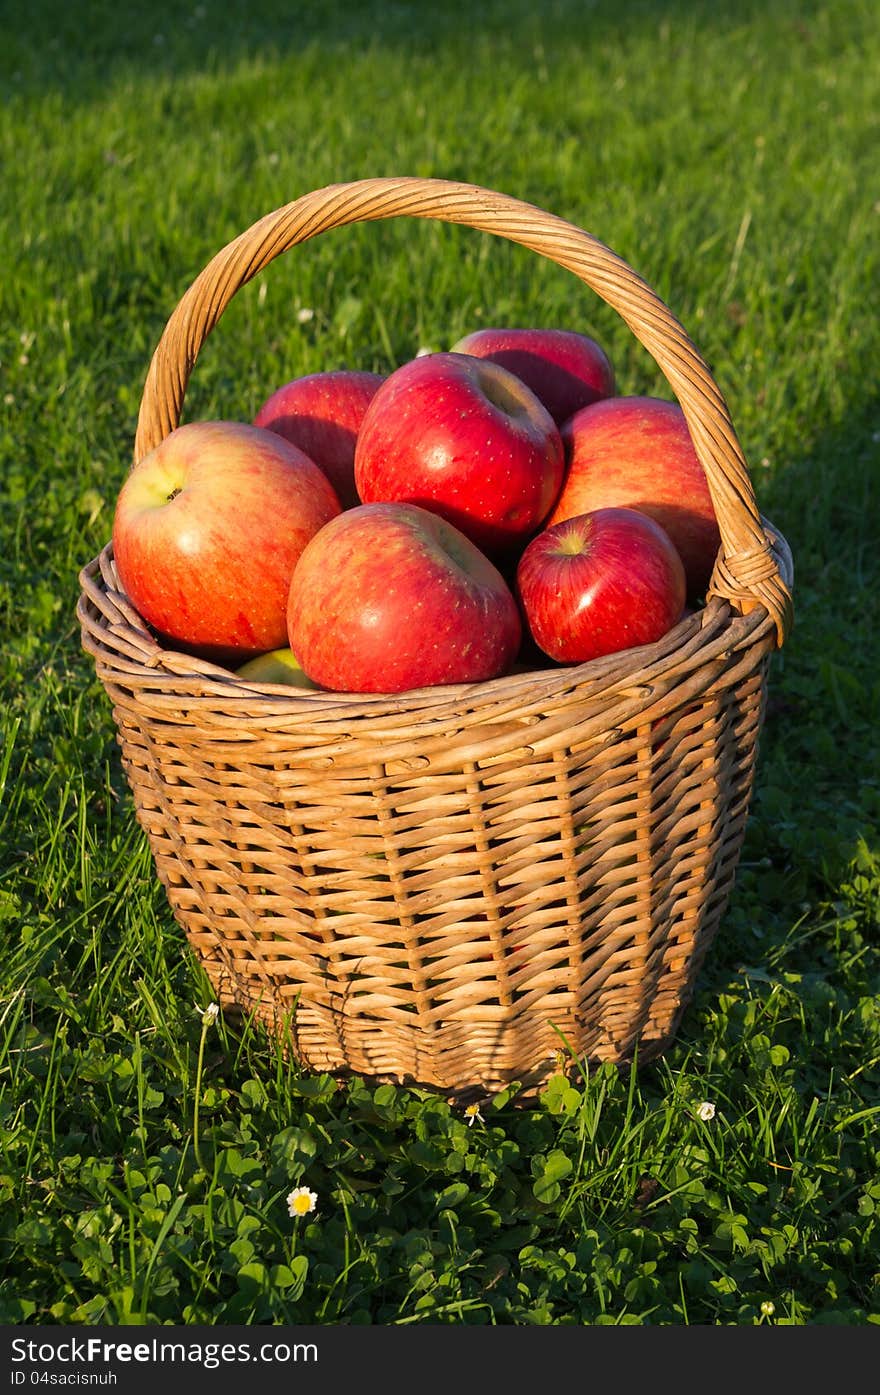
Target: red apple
599, 583
207, 530
565, 370
466, 439
391, 596
637, 452
322, 413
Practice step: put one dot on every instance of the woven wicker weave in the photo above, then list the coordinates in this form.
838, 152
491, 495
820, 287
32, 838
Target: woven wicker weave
439, 887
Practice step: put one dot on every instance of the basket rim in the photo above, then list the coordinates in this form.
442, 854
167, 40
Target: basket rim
122, 644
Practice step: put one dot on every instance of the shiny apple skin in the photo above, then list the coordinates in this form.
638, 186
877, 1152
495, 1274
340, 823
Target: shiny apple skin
207, 530
390, 597
565, 369
466, 439
637, 452
321, 413
600, 583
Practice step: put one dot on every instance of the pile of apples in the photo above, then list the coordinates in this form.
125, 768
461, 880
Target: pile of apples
492, 508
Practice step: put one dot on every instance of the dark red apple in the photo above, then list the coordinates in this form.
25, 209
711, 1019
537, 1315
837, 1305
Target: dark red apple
207, 530
468, 440
391, 596
599, 583
566, 370
637, 452
322, 413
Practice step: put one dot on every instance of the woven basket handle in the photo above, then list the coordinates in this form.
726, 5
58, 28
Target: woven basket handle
747, 572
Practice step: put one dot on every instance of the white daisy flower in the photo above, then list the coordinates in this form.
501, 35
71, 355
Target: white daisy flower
300, 1202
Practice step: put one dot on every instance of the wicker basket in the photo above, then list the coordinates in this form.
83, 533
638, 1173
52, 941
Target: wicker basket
444, 886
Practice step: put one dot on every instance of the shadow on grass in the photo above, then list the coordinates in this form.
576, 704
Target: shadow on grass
816, 804
79, 48
802, 917
821, 751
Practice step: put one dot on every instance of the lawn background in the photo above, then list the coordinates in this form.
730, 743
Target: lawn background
729, 152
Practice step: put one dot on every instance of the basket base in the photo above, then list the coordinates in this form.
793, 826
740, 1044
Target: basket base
473, 1062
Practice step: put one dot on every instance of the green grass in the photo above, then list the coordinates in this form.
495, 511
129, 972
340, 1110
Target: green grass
728, 151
